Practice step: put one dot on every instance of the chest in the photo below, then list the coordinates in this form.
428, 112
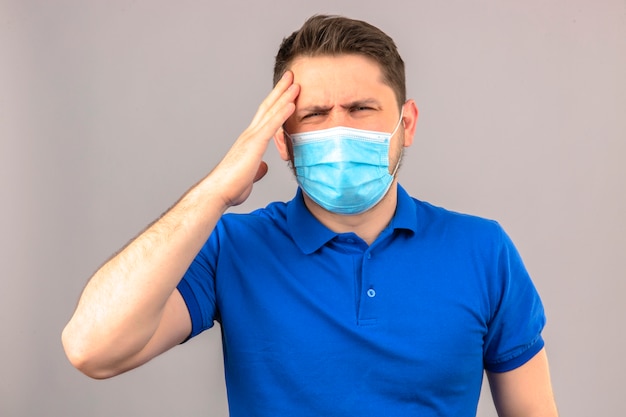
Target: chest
417, 315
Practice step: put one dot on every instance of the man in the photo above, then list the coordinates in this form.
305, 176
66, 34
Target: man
351, 299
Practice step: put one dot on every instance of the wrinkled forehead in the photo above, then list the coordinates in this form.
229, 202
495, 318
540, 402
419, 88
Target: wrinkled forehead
327, 79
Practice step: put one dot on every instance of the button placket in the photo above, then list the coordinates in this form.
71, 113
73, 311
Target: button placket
368, 311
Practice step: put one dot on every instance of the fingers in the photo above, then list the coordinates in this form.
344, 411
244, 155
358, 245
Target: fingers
280, 87
278, 105
261, 171
243, 165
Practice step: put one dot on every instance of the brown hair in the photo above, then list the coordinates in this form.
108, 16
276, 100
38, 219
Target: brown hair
336, 35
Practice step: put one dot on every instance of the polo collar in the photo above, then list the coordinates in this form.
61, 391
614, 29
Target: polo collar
406, 214
310, 234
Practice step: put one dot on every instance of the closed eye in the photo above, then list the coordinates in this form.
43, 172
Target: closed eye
310, 115
313, 111
360, 108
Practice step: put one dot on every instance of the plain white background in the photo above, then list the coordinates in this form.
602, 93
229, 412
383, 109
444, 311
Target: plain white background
110, 110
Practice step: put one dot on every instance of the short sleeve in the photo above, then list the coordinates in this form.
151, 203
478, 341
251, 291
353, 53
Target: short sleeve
197, 286
518, 318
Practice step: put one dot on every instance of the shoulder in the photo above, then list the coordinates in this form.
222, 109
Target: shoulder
433, 218
424, 217
268, 219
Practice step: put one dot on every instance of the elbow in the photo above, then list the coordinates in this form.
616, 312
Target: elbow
84, 358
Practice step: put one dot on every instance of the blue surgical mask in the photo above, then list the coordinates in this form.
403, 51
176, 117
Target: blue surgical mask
344, 170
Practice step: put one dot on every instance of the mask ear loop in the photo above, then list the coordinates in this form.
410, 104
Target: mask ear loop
398, 124
395, 170
290, 163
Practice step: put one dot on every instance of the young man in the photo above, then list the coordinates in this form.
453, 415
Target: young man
351, 299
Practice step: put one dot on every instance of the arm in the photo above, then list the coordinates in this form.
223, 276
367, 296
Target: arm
130, 310
525, 391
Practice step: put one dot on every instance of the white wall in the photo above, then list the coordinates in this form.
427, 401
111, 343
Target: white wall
109, 110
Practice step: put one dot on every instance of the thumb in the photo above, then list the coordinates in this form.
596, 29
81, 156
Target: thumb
261, 171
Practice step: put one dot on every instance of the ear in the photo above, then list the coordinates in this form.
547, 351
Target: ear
409, 121
283, 144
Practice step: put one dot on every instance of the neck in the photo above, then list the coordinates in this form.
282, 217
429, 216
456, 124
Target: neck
367, 225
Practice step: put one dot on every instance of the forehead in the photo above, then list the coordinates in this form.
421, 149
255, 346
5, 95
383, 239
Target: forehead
328, 78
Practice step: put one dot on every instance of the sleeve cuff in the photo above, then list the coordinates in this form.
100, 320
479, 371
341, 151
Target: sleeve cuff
519, 360
193, 307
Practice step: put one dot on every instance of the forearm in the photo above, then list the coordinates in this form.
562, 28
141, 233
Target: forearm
123, 303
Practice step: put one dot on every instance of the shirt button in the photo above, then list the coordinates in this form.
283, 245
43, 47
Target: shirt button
371, 293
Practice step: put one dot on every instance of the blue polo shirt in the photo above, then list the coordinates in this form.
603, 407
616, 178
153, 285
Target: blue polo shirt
318, 323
